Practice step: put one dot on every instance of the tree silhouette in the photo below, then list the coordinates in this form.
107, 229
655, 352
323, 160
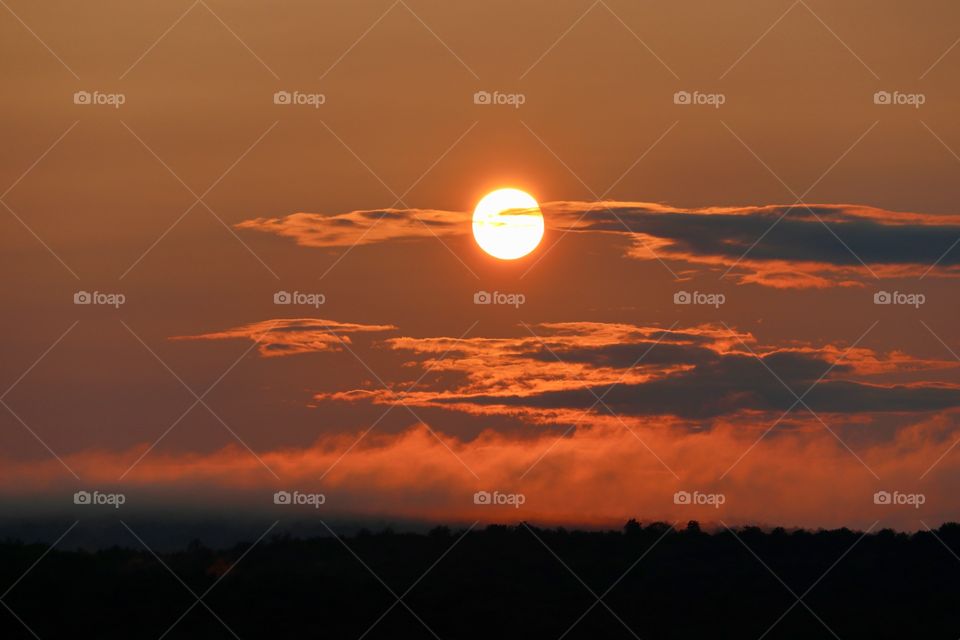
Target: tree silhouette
501, 581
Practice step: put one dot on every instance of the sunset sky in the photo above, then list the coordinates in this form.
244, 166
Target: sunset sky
806, 207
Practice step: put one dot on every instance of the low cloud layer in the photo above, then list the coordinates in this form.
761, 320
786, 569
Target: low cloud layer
598, 476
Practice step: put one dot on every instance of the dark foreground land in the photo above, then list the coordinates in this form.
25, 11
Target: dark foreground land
498, 582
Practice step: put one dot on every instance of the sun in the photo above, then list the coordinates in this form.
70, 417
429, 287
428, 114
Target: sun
507, 224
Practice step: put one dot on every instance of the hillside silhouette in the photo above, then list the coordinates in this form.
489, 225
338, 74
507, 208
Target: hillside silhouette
653, 581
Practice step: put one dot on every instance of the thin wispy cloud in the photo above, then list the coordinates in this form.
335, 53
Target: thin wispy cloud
362, 227
291, 336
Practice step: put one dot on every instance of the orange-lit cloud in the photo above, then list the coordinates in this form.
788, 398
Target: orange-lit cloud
362, 227
562, 370
685, 409
803, 246
599, 475
800, 246
290, 336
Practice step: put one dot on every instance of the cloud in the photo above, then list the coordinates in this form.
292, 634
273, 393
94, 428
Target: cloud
782, 246
362, 227
290, 336
800, 477
694, 414
559, 372
818, 245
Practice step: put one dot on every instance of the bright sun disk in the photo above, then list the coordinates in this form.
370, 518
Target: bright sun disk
508, 224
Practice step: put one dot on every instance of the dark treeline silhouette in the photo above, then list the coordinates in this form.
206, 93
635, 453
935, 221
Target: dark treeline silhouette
499, 582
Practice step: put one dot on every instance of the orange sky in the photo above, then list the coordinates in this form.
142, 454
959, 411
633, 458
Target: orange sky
199, 198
